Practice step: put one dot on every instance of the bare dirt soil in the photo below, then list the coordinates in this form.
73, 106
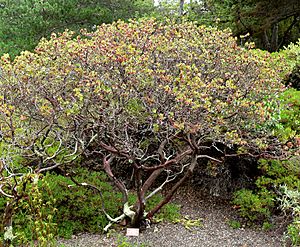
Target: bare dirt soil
215, 215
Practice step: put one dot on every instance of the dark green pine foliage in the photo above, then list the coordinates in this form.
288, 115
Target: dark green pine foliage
24, 22
272, 24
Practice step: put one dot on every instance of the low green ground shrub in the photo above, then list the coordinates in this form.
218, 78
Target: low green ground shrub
277, 189
254, 206
80, 208
293, 232
290, 204
260, 204
67, 209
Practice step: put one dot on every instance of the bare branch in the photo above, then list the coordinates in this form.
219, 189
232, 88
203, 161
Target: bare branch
3, 193
208, 157
168, 179
174, 188
168, 162
117, 182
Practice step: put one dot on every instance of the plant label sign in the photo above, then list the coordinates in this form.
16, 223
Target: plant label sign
133, 232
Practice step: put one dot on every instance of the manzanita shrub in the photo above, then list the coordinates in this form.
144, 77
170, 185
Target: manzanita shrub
154, 97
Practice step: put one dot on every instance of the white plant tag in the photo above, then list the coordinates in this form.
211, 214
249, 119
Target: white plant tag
135, 232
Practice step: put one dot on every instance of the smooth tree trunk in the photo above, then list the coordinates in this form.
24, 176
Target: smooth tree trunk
181, 9
274, 39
